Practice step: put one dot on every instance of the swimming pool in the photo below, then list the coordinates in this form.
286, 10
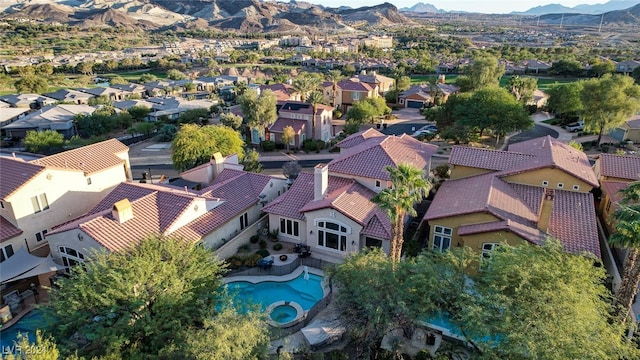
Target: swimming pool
28, 324
285, 301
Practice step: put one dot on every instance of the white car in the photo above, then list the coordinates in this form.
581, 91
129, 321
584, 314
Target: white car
577, 126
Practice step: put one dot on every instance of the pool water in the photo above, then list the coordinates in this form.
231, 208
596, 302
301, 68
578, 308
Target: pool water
305, 292
26, 325
283, 313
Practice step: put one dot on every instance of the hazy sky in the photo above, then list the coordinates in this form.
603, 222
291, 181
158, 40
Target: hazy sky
482, 6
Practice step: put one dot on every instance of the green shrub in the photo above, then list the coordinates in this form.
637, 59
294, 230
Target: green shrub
263, 253
268, 145
263, 244
321, 144
254, 239
252, 260
244, 248
334, 149
310, 145
277, 247
235, 262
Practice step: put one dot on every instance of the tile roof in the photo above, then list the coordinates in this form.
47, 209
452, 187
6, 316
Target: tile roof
15, 174
369, 158
349, 85
486, 158
618, 166
612, 189
157, 208
89, 159
282, 91
550, 152
8, 230
282, 123
516, 208
358, 138
301, 193
51, 115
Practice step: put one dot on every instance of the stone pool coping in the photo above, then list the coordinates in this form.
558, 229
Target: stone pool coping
254, 279
300, 314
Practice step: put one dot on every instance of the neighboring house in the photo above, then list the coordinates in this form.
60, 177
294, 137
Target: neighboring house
71, 96
384, 83
283, 92
215, 215
31, 101
350, 92
9, 115
110, 93
128, 104
39, 194
629, 131
173, 107
419, 96
300, 116
135, 90
58, 118
331, 210
615, 173
627, 67
538, 188
536, 66
4, 105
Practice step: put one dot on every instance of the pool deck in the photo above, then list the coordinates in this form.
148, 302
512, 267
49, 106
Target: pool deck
294, 274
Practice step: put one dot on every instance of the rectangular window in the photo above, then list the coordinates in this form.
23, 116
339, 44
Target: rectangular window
6, 253
41, 235
373, 243
244, 221
560, 185
289, 227
356, 95
88, 181
39, 203
378, 183
487, 248
442, 238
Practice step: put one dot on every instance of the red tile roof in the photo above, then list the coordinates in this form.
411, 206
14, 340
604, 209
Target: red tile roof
348, 85
369, 158
573, 222
282, 91
282, 123
486, 158
613, 188
8, 230
358, 138
15, 174
88, 159
622, 167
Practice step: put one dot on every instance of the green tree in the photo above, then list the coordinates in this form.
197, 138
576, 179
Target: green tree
231, 120
194, 116
195, 145
540, 302
85, 68
522, 88
251, 161
139, 112
627, 235
409, 188
44, 348
566, 68
259, 110
288, 134
145, 78
145, 127
149, 301
368, 109
334, 76
43, 142
484, 71
31, 84
314, 98
608, 102
305, 84
118, 80
603, 67
564, 100
348, 70
175, 74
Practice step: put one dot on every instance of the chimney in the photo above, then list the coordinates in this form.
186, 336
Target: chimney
122, 211
218, 164
320, 181
545, 210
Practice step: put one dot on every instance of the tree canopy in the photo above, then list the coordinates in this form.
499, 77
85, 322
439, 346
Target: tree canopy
43, 142
484, 71
162, 298
522, 88
258, 110
367, 109
194, 145
564, 100
31, 84
231, 120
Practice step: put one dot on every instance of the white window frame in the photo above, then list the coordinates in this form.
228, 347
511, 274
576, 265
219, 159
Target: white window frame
341, 233
68, 259
4, 252
545, 183
488, 248
41, 235
560, 185
40, 203
290, 227
442, 238
576, 187
355, 95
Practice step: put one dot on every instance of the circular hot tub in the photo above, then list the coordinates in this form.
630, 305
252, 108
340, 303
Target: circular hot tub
284, 314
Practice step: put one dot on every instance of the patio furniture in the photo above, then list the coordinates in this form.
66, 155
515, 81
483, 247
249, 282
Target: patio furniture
265, 263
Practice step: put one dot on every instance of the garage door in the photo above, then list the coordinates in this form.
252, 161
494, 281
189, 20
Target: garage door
617, 134
414, 104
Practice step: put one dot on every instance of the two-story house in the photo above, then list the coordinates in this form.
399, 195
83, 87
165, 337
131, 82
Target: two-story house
539, 188
36, 195
219, 214
348, 92
331, 210
305, 123
384, 83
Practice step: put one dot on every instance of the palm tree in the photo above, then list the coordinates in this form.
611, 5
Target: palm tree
627, 234
314, 99
409, 187
306, 83
334, 76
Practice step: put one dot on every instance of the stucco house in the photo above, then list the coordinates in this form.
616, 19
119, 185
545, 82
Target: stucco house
70, 96
629, 131
51, 117
615, 173
331, 210
348, 92
384, 83
36, 195
419, 96
305, 123
539, 188
30, 101
218, 214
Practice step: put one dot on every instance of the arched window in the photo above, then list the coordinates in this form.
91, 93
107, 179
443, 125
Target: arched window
332, 235
70, 257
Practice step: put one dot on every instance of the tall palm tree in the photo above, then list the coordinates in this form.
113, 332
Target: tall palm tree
314, 99
306, 83
409, 187
334, 76
627, 234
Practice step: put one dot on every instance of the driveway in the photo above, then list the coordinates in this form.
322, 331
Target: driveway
408, 121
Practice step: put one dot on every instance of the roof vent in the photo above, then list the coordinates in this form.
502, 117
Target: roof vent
122, 211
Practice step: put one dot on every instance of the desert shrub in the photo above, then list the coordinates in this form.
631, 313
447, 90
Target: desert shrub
244, 248
310, 145
321, 144
277, 247
252, 260
235, 262
263, 253
263, 244
268, 145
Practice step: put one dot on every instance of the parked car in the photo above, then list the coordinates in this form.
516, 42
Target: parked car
423, 132
576, 126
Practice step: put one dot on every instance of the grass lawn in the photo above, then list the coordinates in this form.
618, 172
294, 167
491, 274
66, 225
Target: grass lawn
544, 83
134, 75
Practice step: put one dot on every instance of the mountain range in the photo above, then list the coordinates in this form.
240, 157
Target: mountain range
595, 9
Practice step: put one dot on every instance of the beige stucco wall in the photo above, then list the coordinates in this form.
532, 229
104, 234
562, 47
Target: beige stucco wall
274, 224
87, 246
353, 235
231, 248
454, 222
68, 195
553, 176
475, 241
459, 171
